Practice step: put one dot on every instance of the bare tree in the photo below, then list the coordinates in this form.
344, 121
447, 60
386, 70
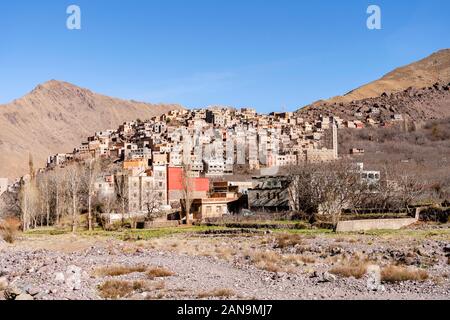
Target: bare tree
187, 184
45, 186
325, 188
73, 179
409, 189
29, 202
29, 198
121, 188
91, 172
151, 201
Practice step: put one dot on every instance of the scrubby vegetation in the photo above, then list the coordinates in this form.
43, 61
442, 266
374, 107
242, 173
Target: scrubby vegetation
9, 229
218, 293
116, 289
399, 273
159, 272
350, 268
114, 271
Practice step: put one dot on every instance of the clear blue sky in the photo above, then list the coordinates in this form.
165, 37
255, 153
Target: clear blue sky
261, 53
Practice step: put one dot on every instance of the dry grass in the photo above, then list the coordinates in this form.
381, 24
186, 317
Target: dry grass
159, 272
9, 228
116, 289
218, 293
268, 266
114, 271
274, 262
353, 268
397, 274
287, 240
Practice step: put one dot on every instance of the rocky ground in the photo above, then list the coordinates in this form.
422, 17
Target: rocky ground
232, 266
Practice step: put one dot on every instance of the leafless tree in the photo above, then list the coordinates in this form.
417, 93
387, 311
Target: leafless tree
29, 203
121, 189
187, 184
151, 201
73, 179
325, 188
29, 198
410, 189
45, 186
91, 172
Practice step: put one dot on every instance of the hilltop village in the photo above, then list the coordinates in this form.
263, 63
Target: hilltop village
229, 157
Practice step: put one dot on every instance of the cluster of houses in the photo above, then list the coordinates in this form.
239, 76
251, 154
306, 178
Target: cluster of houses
212, 141
187, 153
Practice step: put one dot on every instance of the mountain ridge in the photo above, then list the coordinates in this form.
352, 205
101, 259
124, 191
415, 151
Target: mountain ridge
432, 69
55, 116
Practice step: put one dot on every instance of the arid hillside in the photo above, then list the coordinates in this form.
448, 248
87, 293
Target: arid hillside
55, 117
415, 104
423, 73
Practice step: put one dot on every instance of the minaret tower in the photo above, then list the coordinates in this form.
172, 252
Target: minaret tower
335, 140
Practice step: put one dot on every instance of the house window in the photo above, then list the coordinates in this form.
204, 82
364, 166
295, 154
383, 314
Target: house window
160, 195
208, 209
160, 184
257, 196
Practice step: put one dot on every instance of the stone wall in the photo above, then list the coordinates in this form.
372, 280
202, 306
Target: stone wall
374, 224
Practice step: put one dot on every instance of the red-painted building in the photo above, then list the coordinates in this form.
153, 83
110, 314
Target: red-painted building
175, 178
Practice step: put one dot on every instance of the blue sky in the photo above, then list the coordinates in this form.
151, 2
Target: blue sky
262, 53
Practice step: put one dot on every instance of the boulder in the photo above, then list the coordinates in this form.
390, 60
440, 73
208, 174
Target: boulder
24, 297
12, 292
327, 277
60, 277
33, 291
3, 283
73, 278
374, 278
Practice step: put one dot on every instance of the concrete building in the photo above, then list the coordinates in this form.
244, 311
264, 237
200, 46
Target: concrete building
104, 187
269, 194
140, 191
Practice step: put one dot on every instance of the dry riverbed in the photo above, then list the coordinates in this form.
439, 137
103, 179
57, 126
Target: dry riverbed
412, 264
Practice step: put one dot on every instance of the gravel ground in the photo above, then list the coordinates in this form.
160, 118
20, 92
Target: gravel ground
64, 267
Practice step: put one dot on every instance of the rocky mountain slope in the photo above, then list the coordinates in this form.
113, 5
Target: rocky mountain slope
418, 105
420, 74
55, 117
